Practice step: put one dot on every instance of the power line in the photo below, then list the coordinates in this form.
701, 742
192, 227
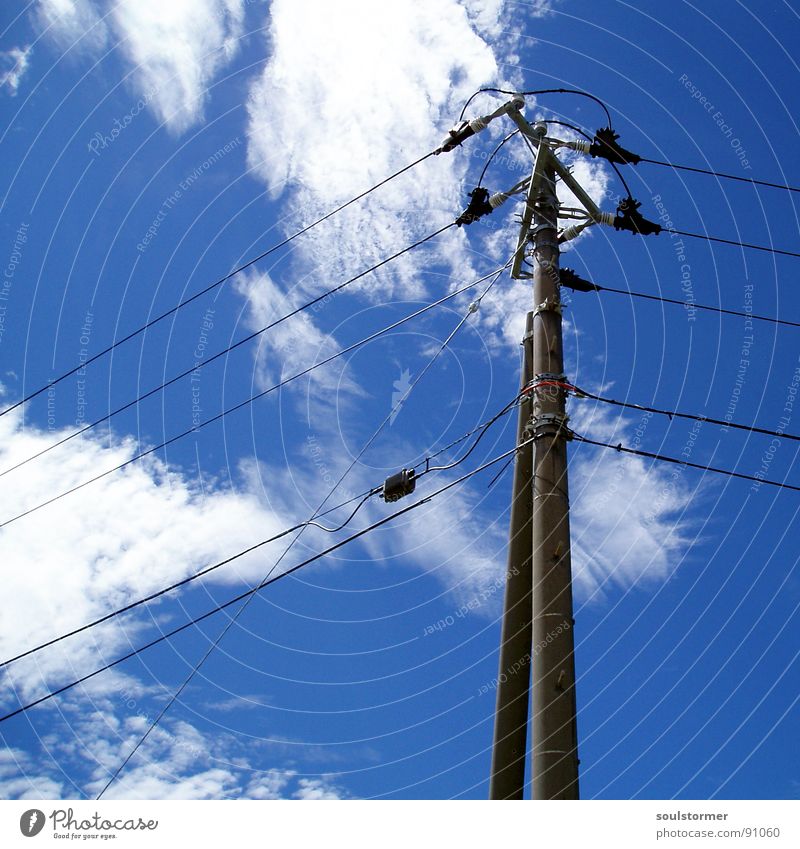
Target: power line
576, 91
253, 590
211, 286
639, 453
582, 393
206, 360
361, 499
721, 174
693, 305
236, 407
396, 406
733, 242
493, 154
134, 604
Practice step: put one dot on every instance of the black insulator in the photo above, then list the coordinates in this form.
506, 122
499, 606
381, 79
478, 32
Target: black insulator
605, 145
629, 218
477, 207
568, 278
398, 485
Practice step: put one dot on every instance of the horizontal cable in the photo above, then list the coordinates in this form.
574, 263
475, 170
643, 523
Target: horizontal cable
693, 305
721, 174
253, 590
209, 288
582, 393
639, 453
210, 359
732, 242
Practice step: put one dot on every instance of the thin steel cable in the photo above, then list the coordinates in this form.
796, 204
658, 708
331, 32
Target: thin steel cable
176, 695
732, 242
230, 410
253, 590
534, 92
361, 498
206, 361
722, 174
579, 392
210, 287
693, 305
624, 450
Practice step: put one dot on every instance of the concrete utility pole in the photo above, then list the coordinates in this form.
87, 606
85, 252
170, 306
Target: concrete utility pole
513, 678
554, 760
554, 721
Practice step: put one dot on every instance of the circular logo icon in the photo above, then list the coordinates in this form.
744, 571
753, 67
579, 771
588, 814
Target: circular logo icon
31, 822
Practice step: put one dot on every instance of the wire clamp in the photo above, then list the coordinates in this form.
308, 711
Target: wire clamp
546, 243
544, 423
550, 305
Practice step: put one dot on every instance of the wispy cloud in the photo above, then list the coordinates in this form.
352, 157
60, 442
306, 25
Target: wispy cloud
178, 762
631, 520
295, 344
13, 63
175, 49
123, 537
352, 92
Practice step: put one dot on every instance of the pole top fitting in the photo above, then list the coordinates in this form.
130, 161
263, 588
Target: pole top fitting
540, 128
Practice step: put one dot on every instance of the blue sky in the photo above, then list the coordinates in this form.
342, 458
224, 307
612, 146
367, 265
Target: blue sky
150, 149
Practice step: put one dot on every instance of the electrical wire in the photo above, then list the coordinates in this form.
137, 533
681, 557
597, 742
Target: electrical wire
722, 174
211, 286
254, 590
732, 242
206, 360
694, 305
639, 453
493, 154
241, 404
535, 92
361, 498
175, 695
578, 392
474, 445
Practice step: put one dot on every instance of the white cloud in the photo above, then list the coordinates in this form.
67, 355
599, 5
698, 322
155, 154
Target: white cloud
317, 788
15, 63
122, 537
71, 21
629, 516
176, 49
178, 761
352, 92
295, 344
